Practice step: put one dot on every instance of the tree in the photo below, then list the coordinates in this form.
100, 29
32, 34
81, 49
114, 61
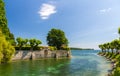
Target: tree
112, 46
6, 49
56, 38
34, 43
21, 42
108, 46
105, 47
37, 43
101, 47
119, 32
116, 45
4, 26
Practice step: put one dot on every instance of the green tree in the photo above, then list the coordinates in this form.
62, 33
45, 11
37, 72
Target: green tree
34, 43
21, 42
105, 47
116, 45
101, 47
108, 46
57, 38
112, 46
6, 49
4, 26
25, 41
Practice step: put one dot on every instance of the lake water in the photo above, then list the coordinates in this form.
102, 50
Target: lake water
82, 63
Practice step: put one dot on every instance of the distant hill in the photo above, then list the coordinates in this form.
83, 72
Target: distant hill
74, 48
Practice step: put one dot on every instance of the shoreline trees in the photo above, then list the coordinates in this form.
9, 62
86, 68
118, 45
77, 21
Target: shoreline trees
29, 44
112, 53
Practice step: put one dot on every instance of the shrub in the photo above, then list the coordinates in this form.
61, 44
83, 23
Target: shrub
6, 49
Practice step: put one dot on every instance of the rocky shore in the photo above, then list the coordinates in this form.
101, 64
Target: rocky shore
38, 54
113, 64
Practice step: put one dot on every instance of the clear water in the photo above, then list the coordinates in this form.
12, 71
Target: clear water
82, 63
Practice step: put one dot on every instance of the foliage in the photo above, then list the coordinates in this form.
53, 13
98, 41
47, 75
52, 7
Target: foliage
6, 49
113, 53
65, 48
56, 38
26, 44
52, 48
34, 43
21, 42
4, 26
27, 48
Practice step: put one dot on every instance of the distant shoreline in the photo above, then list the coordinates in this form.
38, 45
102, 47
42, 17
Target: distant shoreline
73, 48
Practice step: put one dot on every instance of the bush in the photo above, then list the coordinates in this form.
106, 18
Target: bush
52, 48
117, 71
65, 48
38, 48
6, 50
29, 48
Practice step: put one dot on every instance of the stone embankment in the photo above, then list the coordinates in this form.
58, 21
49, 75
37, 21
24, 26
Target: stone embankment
38, 54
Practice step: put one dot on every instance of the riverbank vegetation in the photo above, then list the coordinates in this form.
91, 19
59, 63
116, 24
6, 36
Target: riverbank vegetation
111, 50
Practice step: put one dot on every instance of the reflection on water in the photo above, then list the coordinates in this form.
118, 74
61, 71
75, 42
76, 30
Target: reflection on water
82, 63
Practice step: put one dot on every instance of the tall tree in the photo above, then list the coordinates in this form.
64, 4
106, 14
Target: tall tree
3, 24
57, 38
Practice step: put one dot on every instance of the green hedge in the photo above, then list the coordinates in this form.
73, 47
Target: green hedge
29, 48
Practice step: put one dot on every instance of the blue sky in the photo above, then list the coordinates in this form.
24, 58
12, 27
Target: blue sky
86, 23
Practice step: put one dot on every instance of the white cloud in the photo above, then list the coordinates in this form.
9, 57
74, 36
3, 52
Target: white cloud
46, 10
105, 10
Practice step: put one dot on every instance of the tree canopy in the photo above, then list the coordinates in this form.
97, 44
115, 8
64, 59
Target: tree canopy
34, 43
57, 38
4, 25
113, 45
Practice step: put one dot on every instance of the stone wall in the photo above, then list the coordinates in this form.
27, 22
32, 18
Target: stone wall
38, 54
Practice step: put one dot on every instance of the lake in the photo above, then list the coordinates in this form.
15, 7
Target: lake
82, 63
